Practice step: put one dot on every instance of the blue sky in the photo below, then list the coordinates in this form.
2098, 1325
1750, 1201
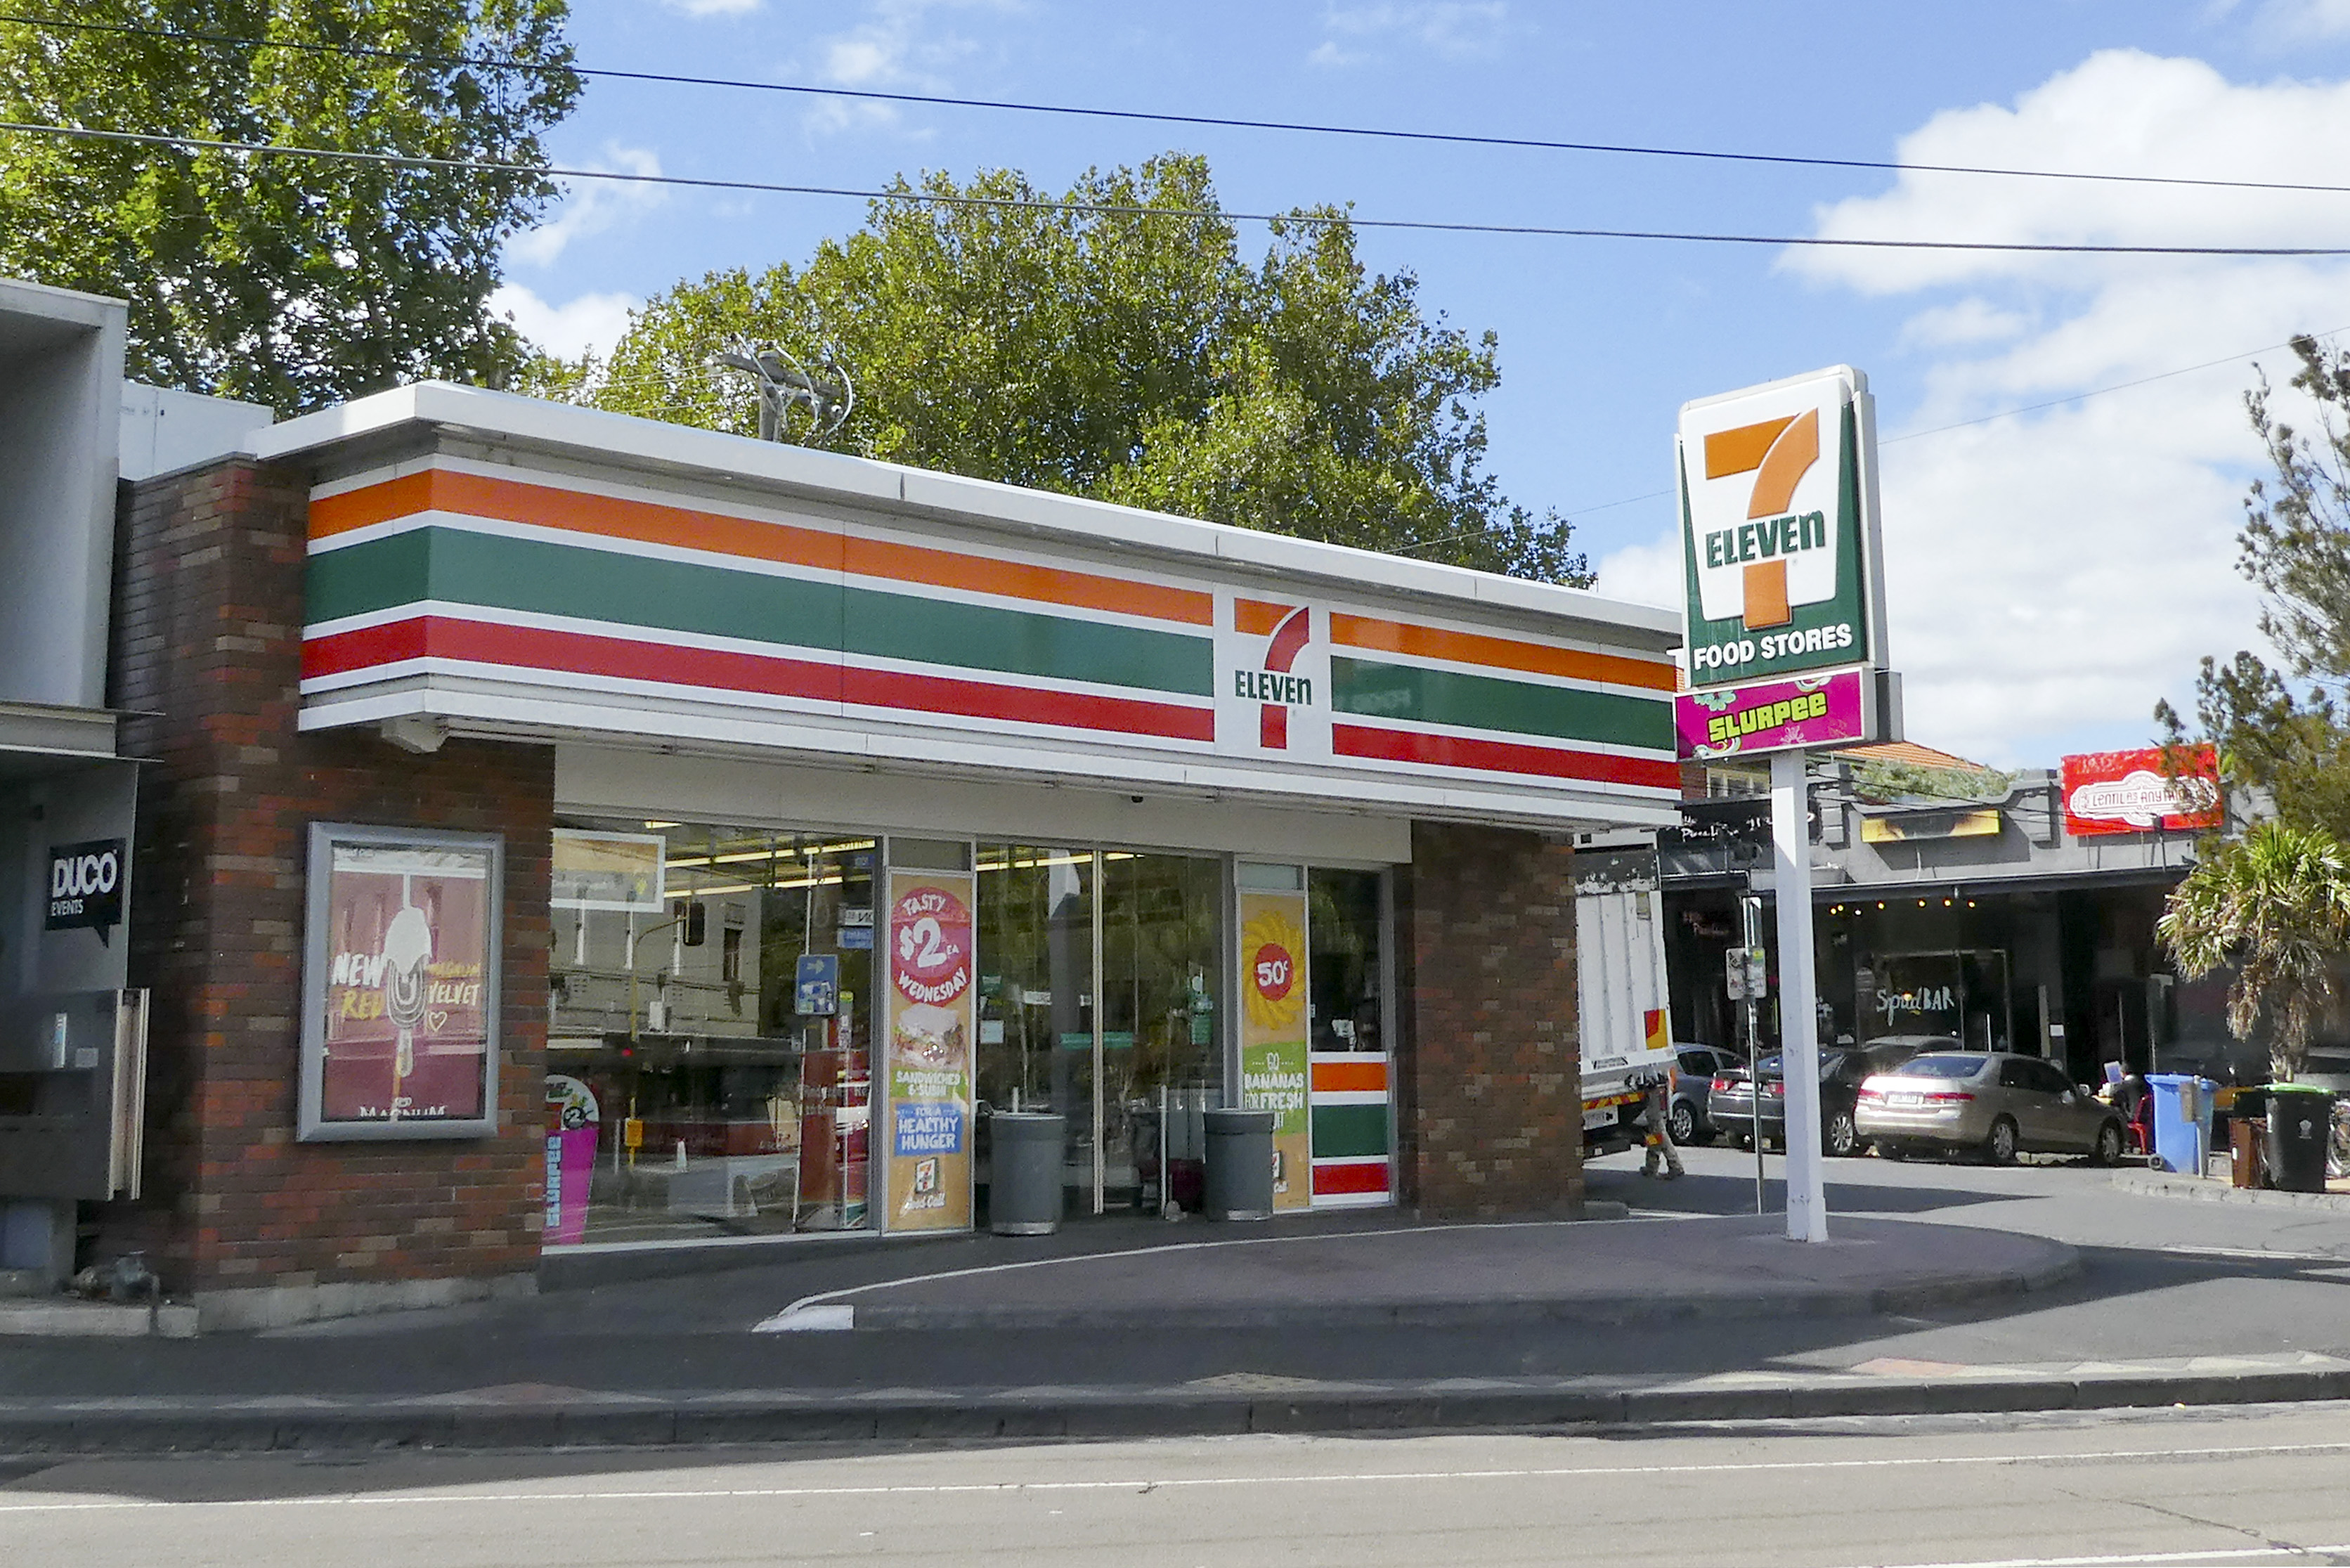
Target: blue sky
2049, 575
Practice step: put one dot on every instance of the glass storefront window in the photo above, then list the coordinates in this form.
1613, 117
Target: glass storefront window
1098, 1002
691, 1090
1343, 933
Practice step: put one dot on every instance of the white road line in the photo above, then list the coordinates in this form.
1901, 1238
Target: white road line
1162, 1483
776, 1324
2140, 1559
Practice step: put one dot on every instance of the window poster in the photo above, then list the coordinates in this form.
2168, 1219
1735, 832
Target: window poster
401, 985
931, 1013
1273, 1034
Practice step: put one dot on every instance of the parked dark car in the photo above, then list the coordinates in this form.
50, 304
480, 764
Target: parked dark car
1996, 1102
1731, 1098
1691, 1086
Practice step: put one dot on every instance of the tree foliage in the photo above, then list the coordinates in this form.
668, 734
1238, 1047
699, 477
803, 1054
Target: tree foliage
1116, 344
291, 281
2275, 904
2280, 731
1884, 780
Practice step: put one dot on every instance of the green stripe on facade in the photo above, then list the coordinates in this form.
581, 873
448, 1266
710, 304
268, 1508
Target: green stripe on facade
642, 594
1375, 689
1343, 1132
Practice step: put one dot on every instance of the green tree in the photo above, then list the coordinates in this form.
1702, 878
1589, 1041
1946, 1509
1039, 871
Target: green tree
2280, 731
2275, 904
291, 281
1114, 343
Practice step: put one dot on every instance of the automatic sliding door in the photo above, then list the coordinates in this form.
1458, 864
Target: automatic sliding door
1098, 998
1161, 1060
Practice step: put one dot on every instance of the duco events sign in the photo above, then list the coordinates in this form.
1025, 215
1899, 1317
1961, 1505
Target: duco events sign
85, 887
2131, 791
1779, 529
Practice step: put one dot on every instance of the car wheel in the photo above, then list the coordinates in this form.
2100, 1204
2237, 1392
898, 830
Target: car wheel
1681, 1122
1999, 1148
2109, 1145
1842, 1139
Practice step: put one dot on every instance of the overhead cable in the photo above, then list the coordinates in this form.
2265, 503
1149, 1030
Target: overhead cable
932, 198
1204, 122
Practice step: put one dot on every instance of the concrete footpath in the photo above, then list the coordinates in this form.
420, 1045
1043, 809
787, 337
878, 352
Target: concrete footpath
1947, 1289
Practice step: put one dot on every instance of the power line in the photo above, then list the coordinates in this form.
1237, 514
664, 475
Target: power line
1204, 122
931, 198
1571, 516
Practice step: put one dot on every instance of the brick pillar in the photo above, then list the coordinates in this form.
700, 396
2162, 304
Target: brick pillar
1490, 1077
256, 1228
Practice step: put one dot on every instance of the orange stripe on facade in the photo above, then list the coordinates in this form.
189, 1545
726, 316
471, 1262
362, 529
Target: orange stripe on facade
1350, 1077
651, 523
1258, 617
1499, 652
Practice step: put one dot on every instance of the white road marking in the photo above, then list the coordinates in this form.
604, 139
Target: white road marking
2136, 1559
1144, 1484
777, 1324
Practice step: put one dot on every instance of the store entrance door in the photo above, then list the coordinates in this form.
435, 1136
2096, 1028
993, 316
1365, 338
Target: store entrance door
1098, 995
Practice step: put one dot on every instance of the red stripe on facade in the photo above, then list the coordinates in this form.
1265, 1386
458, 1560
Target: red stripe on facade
1273, 727
1340, 1179
1501, 757
529, 648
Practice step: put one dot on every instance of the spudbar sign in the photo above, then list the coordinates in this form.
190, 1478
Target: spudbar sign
1779, 529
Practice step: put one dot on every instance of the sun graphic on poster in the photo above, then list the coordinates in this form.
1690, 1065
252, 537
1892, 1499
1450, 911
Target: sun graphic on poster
1272, 967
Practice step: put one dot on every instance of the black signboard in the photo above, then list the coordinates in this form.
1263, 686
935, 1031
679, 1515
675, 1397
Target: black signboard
85, 885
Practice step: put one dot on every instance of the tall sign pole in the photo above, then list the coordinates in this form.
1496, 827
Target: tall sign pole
1785, 628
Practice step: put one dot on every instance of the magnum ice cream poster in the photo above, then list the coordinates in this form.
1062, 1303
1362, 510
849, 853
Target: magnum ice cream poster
405, 1035
928, 1049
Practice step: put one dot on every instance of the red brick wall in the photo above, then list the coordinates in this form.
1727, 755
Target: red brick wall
207, 647
1489, 1112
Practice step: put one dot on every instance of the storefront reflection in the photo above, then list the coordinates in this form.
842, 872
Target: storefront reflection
707, 1092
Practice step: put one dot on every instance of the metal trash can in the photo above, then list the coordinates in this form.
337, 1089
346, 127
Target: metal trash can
1023, 1190
2246, 1159
1240, 1165
2301, 1117
2182, 1120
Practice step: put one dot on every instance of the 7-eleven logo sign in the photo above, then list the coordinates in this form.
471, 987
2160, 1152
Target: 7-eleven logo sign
1272, 681
1779, 527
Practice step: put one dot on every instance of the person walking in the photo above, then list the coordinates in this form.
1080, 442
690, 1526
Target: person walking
1662, 1152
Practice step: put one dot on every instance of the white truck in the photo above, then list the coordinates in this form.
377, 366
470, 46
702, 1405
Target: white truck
1625, 1012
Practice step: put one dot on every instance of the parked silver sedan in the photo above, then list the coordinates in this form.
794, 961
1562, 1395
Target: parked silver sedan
1996, 1102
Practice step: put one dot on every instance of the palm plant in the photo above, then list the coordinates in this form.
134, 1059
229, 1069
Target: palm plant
2276, 903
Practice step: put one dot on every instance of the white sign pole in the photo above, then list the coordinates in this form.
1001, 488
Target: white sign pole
1799, 1045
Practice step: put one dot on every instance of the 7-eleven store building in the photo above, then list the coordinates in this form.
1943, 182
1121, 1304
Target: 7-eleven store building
569, 833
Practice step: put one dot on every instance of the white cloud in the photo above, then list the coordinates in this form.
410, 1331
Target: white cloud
2050, 576
2289, 21
715, 7
568, 330
1970, 320
592, 207
901, 47
1456, 29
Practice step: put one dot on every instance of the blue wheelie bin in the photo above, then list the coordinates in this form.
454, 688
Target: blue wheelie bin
2182, 1120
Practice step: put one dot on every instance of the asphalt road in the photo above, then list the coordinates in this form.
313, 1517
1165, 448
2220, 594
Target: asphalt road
2251, 1486
2162, 1278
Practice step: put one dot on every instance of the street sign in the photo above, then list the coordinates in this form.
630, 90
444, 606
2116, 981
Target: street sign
1748, 973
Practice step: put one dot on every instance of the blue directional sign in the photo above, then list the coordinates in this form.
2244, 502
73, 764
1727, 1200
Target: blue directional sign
815, 985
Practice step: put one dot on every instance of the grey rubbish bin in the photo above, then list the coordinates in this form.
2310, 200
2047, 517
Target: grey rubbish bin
1240, 1165
1023, 1193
